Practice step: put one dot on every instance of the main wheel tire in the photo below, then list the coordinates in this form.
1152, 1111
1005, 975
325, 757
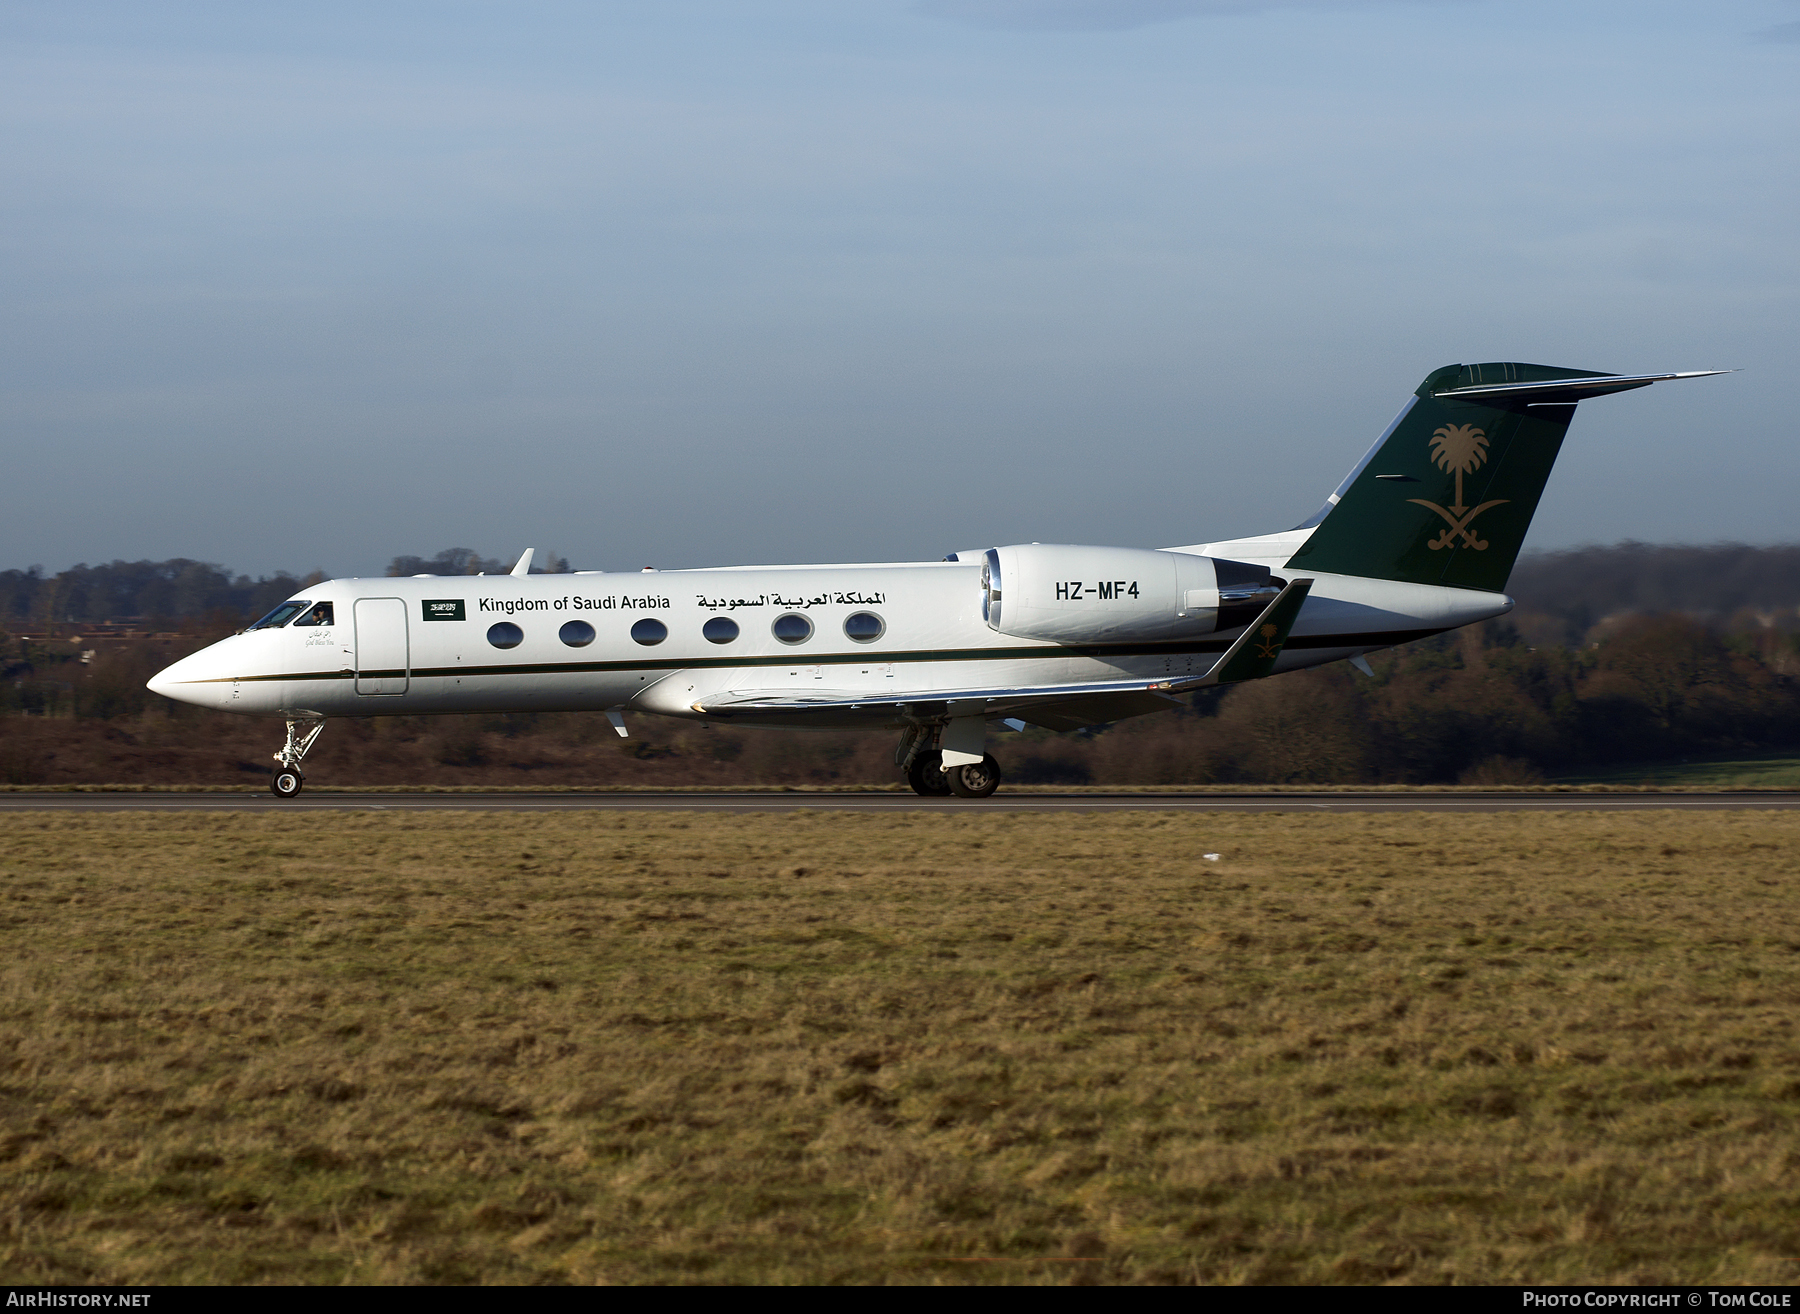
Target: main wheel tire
976, 780
926, 775
286, 782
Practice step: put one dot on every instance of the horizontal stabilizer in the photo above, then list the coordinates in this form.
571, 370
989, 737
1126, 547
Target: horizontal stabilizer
1566, 390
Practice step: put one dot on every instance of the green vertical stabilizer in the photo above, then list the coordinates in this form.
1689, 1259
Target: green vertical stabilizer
1447, 495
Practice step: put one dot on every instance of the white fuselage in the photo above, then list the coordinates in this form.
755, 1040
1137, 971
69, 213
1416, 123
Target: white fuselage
400, 646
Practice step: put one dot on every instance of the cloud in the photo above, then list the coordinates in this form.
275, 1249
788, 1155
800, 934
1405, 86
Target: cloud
1786, 33
1103, 15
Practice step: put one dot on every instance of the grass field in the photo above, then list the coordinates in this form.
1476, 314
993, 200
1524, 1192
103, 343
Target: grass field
808, 1048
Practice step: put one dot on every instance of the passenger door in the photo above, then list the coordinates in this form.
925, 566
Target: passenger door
383, 657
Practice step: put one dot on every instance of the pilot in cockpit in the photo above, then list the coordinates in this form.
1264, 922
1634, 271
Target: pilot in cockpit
319, 615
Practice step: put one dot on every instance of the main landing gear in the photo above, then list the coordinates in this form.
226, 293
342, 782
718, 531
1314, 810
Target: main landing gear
976, 779
288, 777
930, 778
926, 774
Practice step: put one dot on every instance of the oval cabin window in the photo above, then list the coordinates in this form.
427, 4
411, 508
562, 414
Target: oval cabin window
792, 628
864, 627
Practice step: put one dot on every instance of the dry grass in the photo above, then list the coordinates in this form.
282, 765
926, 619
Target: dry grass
806, 1048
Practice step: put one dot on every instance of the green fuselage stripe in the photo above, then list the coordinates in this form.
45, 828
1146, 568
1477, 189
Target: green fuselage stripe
1099, 652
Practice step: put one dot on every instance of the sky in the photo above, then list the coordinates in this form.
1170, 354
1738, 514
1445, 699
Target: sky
686, 283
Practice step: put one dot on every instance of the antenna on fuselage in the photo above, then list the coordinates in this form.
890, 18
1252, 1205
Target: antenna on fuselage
524, 566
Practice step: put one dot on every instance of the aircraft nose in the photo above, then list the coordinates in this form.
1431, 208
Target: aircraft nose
178, 682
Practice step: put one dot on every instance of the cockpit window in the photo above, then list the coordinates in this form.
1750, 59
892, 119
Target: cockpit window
282, 615
319, 615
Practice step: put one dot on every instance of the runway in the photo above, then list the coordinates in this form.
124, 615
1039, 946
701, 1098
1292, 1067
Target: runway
1373, 801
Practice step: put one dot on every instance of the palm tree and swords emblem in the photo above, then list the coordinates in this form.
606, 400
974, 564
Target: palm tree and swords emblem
1462, 449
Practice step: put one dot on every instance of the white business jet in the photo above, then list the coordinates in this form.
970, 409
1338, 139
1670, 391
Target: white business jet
1419, 538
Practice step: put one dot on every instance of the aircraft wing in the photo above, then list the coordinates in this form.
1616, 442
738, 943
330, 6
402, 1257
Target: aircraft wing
1057, 707
1063, 706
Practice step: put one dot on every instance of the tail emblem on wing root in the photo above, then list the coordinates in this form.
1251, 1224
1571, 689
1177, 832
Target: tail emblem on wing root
1461, 448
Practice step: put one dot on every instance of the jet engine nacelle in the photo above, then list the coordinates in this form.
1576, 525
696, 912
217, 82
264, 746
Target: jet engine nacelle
1070, 594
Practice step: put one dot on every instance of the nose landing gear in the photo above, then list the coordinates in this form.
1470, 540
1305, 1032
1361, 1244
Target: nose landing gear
288, 777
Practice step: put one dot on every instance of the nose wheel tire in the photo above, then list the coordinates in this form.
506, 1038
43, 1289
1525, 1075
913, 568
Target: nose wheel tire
285, 783
926, 775
976, 780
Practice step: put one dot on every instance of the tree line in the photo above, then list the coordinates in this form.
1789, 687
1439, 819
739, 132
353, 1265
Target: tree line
1477, 706
1727, 585
166, 591
466, 561
183, 590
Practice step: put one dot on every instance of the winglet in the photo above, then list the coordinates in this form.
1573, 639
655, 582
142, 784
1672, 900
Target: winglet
524, 566
1259, 647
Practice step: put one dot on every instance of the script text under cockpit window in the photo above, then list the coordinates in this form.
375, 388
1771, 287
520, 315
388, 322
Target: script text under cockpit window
280, 616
